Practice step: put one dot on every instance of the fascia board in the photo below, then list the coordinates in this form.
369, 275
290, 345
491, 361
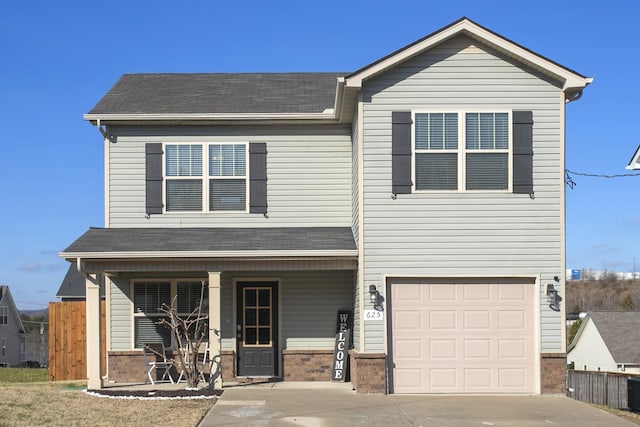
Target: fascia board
570, 79
211, 254
105, 118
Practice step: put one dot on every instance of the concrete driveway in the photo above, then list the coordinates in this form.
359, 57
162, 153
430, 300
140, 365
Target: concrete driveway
328, 404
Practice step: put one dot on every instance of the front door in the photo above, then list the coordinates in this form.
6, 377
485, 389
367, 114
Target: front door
257, 328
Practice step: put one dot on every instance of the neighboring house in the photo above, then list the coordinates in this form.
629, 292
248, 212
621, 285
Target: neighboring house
423, 192
607, 341
13, 342
634, 163
74, 286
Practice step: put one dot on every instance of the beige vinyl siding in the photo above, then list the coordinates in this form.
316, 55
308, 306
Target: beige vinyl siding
309, 305
468, 233
121, 307
309, 174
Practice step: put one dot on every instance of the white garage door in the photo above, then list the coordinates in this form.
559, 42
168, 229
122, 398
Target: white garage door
463, 337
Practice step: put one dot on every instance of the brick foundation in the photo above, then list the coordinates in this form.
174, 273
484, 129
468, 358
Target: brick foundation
228, 365
307, 365
553, 373
368, 372
126, 366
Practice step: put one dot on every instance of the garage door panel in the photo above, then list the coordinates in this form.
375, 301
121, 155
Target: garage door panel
477, 320
512, 349
444, 379
513, 378
471, 338
478, 349
512, 293
443, 320
443, 349
476, 293
509, 320
407, 349
442, 293
411, 378
408, 321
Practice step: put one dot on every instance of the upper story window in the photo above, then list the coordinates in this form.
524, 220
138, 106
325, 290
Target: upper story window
212, 177
461, 151
4, 315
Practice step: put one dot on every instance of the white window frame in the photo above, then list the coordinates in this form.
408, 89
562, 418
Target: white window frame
205, 178
462, 150
173, 291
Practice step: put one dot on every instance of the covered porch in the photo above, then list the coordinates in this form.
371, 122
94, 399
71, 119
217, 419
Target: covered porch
271, 297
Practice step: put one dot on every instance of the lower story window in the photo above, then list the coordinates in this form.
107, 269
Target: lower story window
189, 297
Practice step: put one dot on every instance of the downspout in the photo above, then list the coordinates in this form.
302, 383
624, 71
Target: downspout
102, 131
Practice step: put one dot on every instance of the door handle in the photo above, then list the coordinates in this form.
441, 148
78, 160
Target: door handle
239, 328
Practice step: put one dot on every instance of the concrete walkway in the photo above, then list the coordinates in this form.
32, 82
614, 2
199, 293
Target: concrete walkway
328, 404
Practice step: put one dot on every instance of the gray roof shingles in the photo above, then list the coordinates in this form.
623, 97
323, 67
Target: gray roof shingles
106, 240
619, 330
219, 93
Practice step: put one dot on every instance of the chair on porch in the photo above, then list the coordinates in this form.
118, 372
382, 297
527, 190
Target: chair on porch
155, 359
202, 358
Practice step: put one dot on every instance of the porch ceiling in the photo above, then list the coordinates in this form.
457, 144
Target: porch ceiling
278, 242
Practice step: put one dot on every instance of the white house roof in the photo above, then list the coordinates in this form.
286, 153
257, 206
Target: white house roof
619, 331
634, 163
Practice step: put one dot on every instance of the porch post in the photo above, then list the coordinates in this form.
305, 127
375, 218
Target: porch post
93, 332
215, 349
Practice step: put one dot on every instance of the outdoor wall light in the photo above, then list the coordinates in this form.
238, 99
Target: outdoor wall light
373, 294
553, 299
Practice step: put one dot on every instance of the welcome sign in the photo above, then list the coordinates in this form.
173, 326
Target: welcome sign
343, 343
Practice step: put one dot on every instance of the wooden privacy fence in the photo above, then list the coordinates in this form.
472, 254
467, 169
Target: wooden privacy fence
68, 340
602, 388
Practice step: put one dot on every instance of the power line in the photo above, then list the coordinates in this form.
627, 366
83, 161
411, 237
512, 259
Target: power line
571, 183
598, 175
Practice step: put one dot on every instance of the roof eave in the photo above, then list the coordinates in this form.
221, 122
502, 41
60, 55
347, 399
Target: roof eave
275, 254
132, 118
571, 81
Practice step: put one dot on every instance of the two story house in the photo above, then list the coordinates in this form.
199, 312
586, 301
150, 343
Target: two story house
13, 338
422, 193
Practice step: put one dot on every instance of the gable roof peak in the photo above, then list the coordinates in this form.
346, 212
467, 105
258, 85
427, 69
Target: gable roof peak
572, 82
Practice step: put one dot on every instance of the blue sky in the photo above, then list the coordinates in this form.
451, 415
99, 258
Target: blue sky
58, 58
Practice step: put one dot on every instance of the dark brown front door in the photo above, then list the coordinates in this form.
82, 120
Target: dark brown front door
257, 328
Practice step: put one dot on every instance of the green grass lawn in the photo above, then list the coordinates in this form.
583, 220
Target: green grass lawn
23, 375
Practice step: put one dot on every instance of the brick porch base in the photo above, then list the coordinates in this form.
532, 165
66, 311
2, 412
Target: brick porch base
368, 372
553, 373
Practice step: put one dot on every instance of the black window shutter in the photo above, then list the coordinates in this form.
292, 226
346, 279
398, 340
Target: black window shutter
258, 177
523, 152
153, 163
401, 152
